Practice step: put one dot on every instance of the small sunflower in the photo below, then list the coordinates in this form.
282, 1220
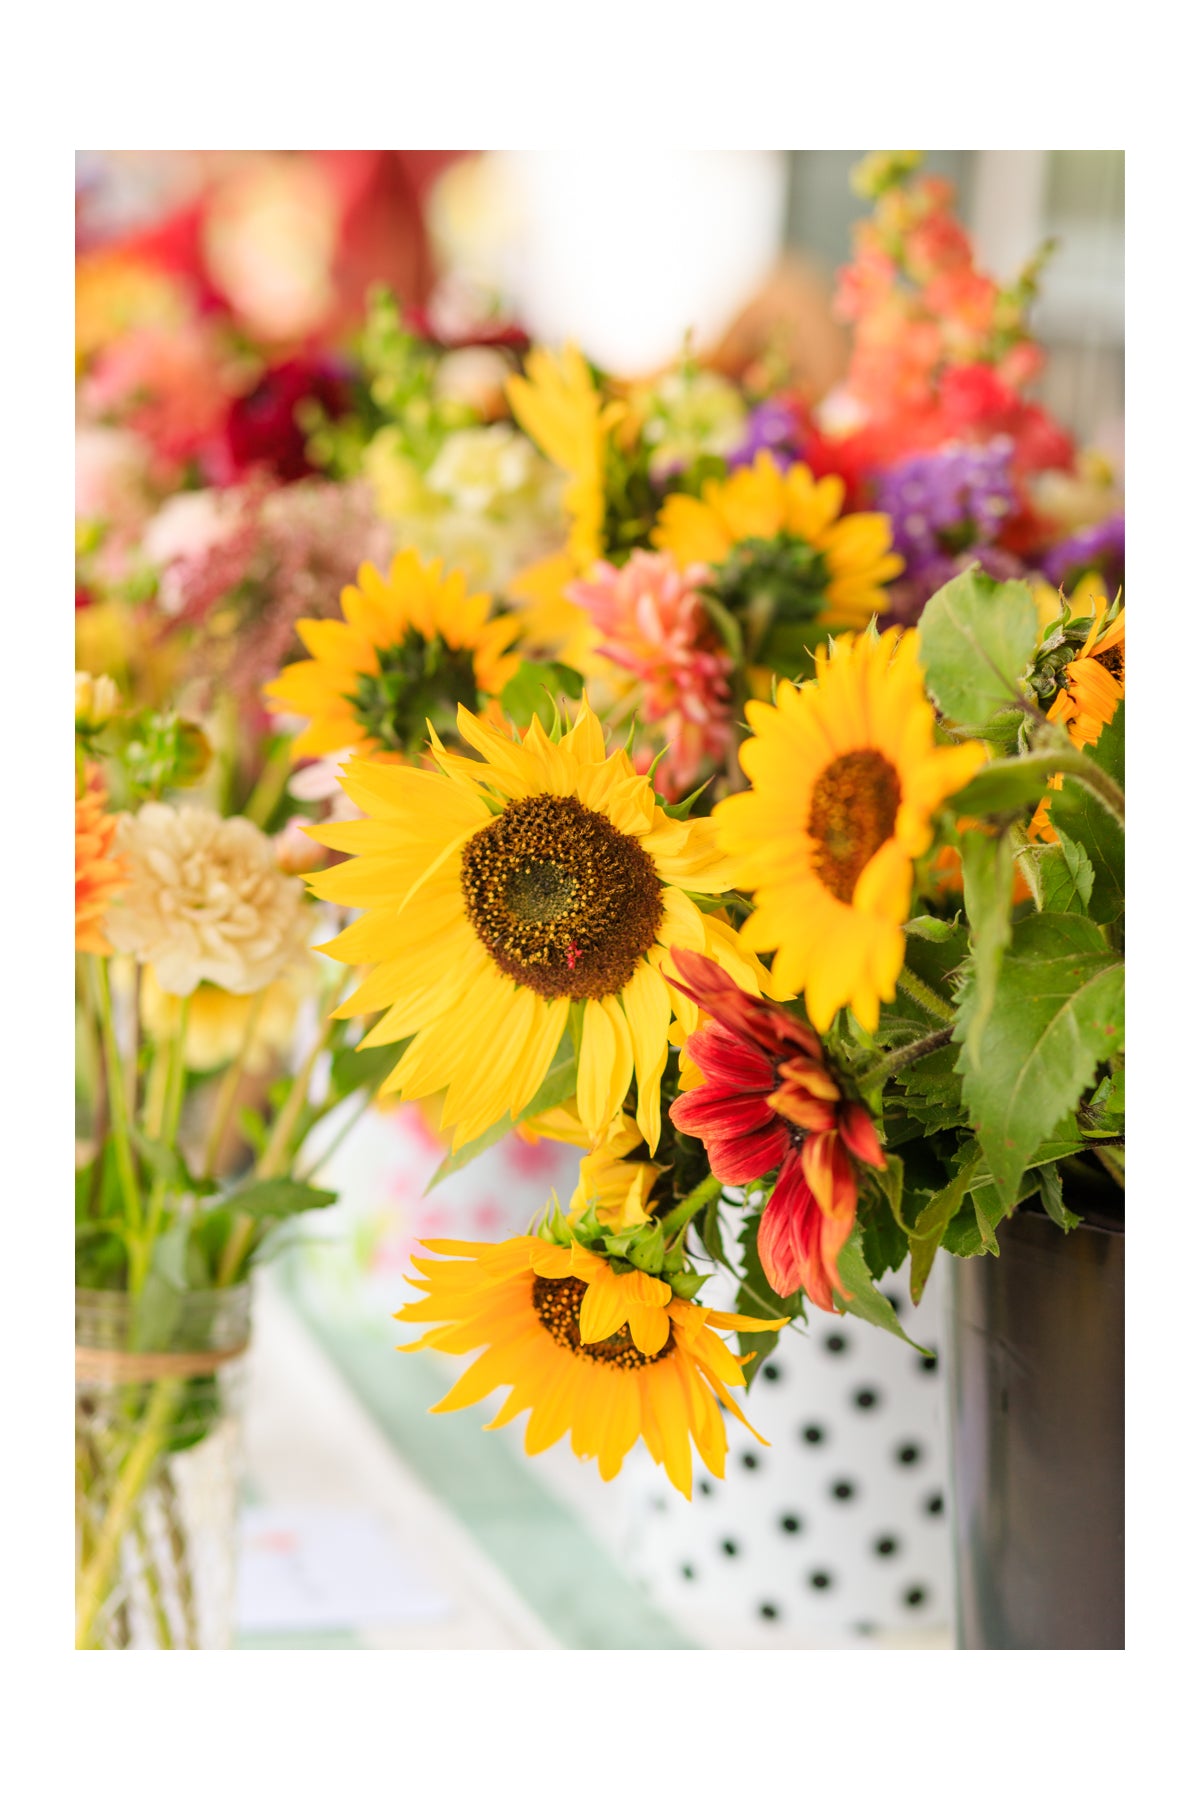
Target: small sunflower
778, 537
1093, 681
413, 647
502, 893
1093, 686
608, 1357
844, 777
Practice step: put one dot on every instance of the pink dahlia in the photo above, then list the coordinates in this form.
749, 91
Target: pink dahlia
653, 624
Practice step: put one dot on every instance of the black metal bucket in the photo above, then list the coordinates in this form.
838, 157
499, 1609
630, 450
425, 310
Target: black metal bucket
1036, 1351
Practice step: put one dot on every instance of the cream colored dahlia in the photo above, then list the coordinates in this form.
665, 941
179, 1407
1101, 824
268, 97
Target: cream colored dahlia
207, 901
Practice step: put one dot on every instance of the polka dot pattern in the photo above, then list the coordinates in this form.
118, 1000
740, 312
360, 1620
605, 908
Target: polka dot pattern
839, 1527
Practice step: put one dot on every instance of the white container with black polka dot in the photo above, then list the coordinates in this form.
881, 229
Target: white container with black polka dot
838, 1530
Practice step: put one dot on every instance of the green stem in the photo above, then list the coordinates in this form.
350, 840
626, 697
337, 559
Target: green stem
95, 1578
155, 1108
277, 1155
230, 1082
932, 1003
909, 1053
687, 1208
162, 1624
337, 1140
177, 1538
168, 1129
270, 784
1077, 767
126, 1171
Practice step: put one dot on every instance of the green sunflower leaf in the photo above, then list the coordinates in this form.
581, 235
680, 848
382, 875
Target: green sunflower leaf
933, 1219
1065, 878
1058, 1012
1000, 787
861, 1296
977, 638
987, 895
1076, 813
536, 690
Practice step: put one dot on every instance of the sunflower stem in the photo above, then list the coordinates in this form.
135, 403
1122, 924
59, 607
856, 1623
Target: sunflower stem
1077, 767
916, 989
910, 1053
689, 1206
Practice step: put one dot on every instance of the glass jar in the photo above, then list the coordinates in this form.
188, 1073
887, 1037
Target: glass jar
159, 1384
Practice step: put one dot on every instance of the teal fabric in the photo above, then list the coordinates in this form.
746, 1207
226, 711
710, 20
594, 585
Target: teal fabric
563, 1574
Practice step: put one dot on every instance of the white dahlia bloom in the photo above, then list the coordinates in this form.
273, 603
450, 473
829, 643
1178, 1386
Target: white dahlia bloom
207, 900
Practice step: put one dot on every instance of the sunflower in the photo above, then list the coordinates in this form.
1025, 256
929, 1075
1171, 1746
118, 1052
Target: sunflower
100, 872
610, 1357
557, 404
1093, 681
506, 894
780, 533
412, 648
844, 776
1093, 686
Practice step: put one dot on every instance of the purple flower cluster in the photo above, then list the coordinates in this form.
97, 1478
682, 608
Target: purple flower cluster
770, 426
948, 501
1100, 547
947, 508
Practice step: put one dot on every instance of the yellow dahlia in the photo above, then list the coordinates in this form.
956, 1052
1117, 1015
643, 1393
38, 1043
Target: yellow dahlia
783, 530
556, 402
844, 776
100, 871
502, 893
412, 647
608, 1357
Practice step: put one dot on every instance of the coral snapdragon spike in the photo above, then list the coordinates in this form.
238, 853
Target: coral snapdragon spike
769, 1101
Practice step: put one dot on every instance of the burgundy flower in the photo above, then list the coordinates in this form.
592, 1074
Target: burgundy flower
261, 430
770, 1101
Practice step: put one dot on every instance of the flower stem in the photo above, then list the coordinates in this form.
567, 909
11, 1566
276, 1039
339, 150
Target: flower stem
1077, 767
118, 1514
690, 1205
230, 1082
916, 989
126, 1171
908, 1053
270, 784
275, 1157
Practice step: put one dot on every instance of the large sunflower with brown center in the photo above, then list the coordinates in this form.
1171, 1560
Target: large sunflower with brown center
413, 646
506, 894
608, 1357
845, 776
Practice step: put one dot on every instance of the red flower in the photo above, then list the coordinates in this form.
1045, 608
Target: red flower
261, 429
770, 1101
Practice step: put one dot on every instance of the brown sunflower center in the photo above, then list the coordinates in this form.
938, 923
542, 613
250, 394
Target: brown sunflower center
1114, 661
853, 810
557, 1305
563, 901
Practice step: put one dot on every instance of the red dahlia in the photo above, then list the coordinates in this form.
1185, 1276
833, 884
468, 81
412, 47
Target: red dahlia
770, 1101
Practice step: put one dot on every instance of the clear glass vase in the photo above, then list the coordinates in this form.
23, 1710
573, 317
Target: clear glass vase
158, 1411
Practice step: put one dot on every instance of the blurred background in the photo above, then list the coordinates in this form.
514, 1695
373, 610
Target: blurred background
368, 1524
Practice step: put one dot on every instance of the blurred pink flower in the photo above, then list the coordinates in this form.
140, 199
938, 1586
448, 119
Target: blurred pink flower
653, 624
171, 386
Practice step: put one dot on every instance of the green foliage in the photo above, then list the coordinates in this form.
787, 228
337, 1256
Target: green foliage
1065, 878
987, 896
1075, 812
862, 1297
933, 1219
537, 690
1058, 1012
977, 639
276, 1198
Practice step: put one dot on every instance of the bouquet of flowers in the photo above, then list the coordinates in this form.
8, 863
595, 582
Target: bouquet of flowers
723, 781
